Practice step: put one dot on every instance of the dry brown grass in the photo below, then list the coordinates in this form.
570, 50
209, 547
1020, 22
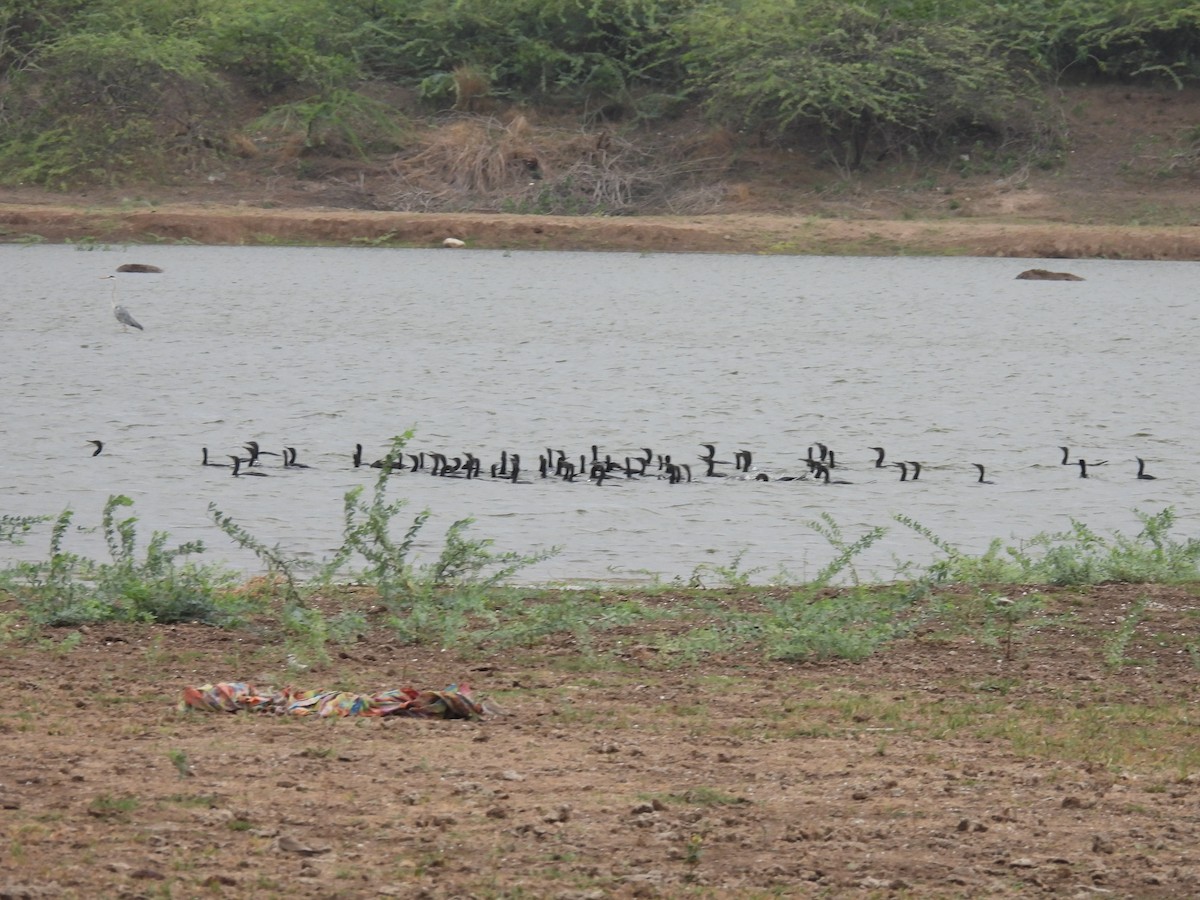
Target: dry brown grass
483, 163
471, 88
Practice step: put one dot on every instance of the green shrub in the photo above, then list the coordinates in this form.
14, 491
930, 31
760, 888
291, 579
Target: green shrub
12, 528
339, 122
96, 107
860, 77
1074, 557
69, 589
848, 625
428, 601
275, 44
598, 57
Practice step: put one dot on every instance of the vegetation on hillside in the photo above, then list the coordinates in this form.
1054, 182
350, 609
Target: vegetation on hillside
102, 91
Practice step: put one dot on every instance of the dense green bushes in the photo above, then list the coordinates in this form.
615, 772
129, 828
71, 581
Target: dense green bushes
100, 90
856, 77
100, 103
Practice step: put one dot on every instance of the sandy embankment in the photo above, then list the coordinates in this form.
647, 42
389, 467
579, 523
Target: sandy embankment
235, 225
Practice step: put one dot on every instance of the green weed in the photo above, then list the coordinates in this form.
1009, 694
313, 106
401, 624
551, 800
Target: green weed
1004, 616
107, 806
852, 625
729, 575
12, 528
180, 761
1074, 557
69, 589
846, 552
428, 602
1117, 643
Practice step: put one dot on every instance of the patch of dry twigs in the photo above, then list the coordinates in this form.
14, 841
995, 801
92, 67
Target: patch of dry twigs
479, 163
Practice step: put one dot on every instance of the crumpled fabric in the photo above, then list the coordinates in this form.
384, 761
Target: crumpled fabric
236, 696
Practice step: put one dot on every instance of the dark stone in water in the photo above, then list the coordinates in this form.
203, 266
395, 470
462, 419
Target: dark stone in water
1047, 275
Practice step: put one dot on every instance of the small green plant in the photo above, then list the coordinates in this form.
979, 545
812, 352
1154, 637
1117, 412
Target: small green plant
180, 761
852, 625
108, 806
697, 643
306, 629
692, 850
279, 567
1074, 557
829, 529
1005, 616
347, 626
1117, 643
427, 601
66, 645
730, 575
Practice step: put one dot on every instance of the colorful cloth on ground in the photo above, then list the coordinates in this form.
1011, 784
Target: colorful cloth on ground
234, 696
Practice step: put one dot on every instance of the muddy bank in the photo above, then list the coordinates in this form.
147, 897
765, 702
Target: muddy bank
944, 766
234, 225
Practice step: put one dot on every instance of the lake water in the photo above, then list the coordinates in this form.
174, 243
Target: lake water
945, 361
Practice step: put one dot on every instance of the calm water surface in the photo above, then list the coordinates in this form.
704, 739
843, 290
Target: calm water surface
944, 361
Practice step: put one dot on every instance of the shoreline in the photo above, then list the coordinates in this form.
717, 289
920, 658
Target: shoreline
725, 233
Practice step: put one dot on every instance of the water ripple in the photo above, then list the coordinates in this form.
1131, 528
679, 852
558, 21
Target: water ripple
946, 361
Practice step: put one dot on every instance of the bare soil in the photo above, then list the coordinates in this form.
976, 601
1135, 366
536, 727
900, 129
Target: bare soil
1127, 187
950, 765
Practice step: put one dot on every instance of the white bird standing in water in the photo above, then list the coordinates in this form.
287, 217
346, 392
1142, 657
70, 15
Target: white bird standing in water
121, 312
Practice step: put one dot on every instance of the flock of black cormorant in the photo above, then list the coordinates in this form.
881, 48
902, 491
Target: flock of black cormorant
820, 465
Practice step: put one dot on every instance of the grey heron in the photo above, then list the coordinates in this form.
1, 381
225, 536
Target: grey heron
123, 316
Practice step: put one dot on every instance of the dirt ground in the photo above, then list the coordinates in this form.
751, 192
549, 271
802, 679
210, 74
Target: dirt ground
938, 768
1128, 187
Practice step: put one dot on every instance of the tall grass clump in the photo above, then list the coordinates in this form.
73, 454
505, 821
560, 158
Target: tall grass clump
156, 586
